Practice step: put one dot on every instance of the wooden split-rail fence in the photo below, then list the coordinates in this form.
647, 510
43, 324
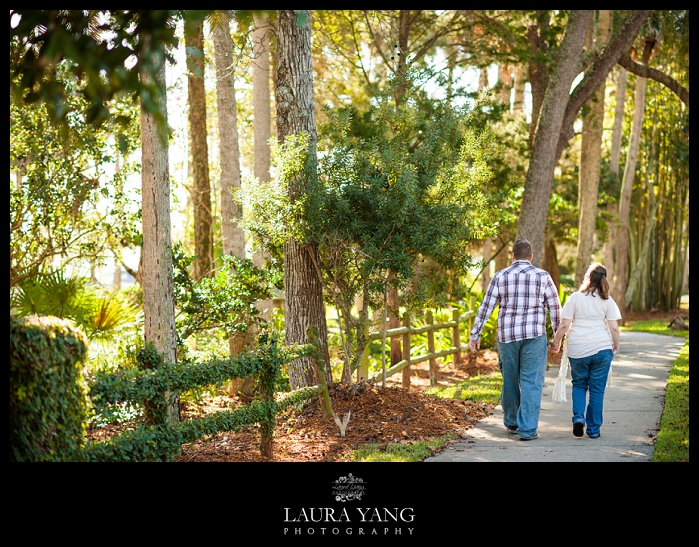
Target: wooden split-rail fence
405, 332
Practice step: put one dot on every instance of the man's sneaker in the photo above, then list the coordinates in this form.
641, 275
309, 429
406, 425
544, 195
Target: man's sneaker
578, 429
529, 438
512, 429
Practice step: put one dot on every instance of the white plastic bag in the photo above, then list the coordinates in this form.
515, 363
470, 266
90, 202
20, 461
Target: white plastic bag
559, 388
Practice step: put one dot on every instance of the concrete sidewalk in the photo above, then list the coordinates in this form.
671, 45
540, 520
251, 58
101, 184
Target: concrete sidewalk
632, 408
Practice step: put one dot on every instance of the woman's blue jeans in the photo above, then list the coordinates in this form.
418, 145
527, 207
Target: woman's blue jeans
590, 376
523, 369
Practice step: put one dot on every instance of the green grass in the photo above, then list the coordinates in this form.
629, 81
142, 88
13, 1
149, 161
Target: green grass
654, 327
484, 387
404, 452
672, 442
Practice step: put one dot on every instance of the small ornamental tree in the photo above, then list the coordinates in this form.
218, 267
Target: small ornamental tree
400, 190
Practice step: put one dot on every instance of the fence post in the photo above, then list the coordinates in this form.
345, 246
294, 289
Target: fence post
321, 378
406, 350
430, 349
456, 337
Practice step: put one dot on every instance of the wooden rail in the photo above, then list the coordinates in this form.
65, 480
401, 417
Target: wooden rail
406, 332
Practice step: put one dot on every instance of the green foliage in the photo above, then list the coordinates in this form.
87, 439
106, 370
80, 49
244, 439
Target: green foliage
225, 302
50, 399
52, 294
99, 313
160, 441
111, 312
442, 337
48, 395
90, 44
406, 189
398, 195
672, 443
65, 201
110, 54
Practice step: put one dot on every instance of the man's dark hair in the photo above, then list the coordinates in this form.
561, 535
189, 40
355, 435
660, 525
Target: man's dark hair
522, 249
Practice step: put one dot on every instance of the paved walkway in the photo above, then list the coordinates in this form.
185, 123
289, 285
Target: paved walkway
632, 409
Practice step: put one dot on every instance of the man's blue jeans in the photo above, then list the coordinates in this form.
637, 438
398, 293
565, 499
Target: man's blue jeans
590, 375
523, 368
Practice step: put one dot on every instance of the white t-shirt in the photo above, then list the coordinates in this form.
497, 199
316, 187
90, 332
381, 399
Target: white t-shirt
589, 332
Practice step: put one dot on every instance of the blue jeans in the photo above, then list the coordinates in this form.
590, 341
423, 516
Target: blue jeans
590, 375
523, 368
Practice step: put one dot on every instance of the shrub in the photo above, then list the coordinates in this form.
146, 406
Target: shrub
48, 395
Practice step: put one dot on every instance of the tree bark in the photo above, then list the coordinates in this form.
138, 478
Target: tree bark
231, 210
621, 273
229, 150
199, 152
612, 207
596, 74
647, 72
262, 121
304, 306
539, 179
537, 70
518, 103
591, 161
156, 253
549, 261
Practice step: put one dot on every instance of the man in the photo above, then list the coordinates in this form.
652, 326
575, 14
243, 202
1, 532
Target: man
524, 293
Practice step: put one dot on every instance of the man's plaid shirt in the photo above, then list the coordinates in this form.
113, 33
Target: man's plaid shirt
524, 293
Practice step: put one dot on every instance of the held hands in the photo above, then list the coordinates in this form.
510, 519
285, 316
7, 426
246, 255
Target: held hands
555, 346
474, 345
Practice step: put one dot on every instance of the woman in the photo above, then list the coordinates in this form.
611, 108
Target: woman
589, 318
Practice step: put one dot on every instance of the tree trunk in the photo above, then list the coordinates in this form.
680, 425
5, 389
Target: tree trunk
504, 258
590, 162
634, 278
549, 262
229, 150
261, 119
261, 97
199, 152
612, 207
544, 156
537, 70
621, 80
231, 210
518, 103
539, 179
597, 73
505, 79
393, 304
156, 253
304, 306
621, 273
